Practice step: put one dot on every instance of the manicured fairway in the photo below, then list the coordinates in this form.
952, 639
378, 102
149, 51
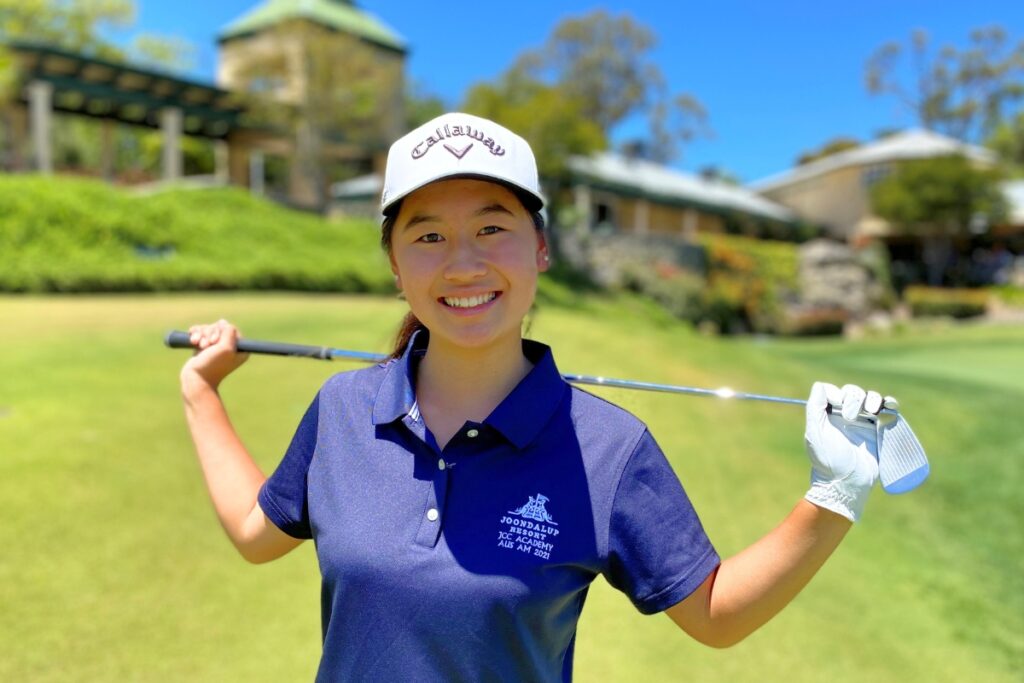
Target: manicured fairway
113, 566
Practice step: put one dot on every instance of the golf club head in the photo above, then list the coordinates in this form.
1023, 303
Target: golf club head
902, 463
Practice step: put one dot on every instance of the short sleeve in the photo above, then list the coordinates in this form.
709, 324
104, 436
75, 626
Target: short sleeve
283, 497
658, 552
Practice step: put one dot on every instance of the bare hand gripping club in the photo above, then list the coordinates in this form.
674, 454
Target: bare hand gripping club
902, 463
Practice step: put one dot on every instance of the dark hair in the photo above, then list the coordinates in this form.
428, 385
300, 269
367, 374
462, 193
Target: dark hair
410, 323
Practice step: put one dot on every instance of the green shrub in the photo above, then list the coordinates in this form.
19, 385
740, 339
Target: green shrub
73, 235
806, 322
749, 282
723, 303
955, 303
1009, 295
678, 291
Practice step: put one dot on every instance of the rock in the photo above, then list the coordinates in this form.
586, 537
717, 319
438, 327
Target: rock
832, 276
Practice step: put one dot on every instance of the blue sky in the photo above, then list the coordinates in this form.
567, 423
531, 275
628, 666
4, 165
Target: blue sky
777, 78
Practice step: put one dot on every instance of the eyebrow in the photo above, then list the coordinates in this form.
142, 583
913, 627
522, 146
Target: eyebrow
496, 207
420, 218
493, 208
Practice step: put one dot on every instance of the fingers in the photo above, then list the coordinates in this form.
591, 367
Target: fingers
821, 395
873, 402
817, 402
221, 332
852, 401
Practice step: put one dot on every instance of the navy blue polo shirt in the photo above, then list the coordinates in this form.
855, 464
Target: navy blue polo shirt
472, 563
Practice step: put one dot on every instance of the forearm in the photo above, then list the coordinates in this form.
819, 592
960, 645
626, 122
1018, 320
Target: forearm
754, 585
232, 478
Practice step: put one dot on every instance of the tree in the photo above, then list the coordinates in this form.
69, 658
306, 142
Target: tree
75, 25
8, 75
939, 199
602, 63
325, 89
170, 53
833, 146
674, 122
78, 26
72, 24
421, 106
963, 93
1007, 140
552, 122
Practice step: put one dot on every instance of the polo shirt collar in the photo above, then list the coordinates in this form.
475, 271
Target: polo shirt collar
396, 397
519, 417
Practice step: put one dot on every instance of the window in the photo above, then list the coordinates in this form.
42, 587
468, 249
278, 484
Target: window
874, 173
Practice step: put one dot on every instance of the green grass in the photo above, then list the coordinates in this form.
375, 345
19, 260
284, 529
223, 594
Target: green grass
61, 234
113, 566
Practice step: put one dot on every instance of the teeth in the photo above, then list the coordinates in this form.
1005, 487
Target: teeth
469, 302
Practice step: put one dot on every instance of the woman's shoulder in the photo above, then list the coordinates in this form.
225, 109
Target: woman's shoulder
359, 380
590, 411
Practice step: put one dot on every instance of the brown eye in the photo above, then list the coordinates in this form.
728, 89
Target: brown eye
430, 237
490, 230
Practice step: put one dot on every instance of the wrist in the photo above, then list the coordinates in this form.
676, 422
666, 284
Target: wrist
194, 386
844, 500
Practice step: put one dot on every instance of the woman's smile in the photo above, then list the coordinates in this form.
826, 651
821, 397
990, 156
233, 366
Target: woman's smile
467, 255
470, 304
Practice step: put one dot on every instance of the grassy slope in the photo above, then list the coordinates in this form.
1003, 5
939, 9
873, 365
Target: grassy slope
75, 235
113, 566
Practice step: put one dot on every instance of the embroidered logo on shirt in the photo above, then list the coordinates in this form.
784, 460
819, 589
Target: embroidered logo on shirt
529, 529
534, 509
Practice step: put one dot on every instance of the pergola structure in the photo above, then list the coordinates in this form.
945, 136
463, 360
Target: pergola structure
54, 80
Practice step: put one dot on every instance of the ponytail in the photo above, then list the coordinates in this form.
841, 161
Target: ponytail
410, 326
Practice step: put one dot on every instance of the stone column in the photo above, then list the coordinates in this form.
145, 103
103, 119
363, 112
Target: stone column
238, 160
256, 172
581, 197
690, 219
171, 125
40, 102
642, 217
221, 162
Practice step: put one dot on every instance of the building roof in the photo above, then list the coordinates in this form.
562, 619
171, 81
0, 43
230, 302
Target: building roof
914, 143
125, 92
1014, 192
341, 15
658, 182
364, 187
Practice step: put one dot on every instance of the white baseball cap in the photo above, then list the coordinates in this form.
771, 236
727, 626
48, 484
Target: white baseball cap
464, 146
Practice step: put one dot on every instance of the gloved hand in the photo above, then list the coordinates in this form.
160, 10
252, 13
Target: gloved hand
842, 447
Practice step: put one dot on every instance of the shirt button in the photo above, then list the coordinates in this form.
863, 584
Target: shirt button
473, 433
441, 464
432, 515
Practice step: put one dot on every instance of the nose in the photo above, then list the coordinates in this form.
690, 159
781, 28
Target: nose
465, 262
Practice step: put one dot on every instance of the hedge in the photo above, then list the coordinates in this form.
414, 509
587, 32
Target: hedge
955, 303
76, 235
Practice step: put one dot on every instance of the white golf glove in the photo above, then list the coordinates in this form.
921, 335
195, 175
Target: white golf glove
842, 447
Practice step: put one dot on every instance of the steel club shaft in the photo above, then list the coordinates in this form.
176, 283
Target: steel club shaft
180, 340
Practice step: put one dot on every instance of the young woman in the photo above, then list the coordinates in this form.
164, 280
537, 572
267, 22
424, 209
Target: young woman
462, 496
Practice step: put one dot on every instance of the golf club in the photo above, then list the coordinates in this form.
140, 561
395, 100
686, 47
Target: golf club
902, 463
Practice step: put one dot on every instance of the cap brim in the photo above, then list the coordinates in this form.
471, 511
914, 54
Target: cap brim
530, 200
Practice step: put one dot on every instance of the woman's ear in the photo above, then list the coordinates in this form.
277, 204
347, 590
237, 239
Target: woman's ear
394, 271
543, 258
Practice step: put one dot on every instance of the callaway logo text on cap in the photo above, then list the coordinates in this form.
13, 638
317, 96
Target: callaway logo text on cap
460, 145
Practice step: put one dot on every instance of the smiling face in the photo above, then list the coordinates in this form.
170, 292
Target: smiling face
466, 255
